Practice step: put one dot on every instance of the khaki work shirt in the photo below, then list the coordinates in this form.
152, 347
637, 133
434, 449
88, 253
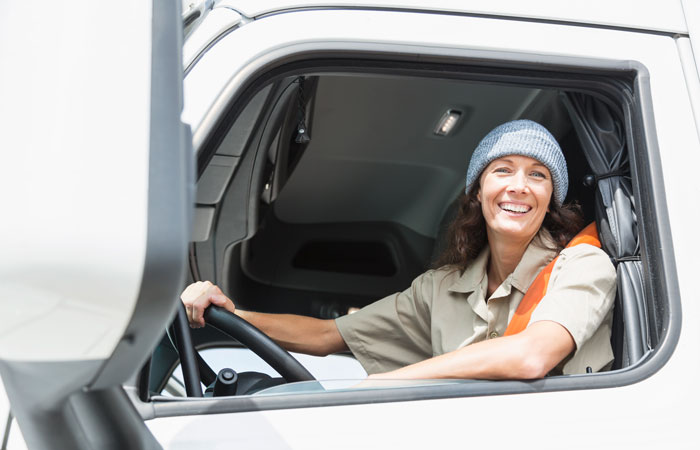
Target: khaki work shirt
444, 310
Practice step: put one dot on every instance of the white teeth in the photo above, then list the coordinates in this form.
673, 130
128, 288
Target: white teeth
512, 207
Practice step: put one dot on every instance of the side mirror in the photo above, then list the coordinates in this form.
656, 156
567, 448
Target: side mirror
98, 199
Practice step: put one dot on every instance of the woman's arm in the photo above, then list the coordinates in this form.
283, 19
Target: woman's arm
526, 355
300, 334
294, 333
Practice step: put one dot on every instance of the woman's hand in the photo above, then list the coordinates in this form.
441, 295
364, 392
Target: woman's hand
198, 296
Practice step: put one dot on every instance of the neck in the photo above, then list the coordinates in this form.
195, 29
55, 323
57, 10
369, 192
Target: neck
506, 253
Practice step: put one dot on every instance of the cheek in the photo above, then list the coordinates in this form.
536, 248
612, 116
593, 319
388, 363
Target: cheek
487, 189
544, 197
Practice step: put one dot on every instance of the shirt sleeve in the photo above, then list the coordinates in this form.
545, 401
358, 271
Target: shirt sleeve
392, 332
580, 293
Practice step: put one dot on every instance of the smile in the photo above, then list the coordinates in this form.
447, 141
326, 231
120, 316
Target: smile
515, 208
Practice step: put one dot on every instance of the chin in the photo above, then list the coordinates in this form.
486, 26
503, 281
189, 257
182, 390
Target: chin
515, 230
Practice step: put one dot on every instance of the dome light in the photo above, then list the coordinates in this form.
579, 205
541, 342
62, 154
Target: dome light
447, 122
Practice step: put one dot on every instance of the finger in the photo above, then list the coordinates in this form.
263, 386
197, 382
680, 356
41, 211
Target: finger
212, 289
196, 317
218, 299
223, 301
196, 299
187, 294
198, 307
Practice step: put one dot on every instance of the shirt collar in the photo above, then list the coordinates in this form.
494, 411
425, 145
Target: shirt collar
538, 254
475, 273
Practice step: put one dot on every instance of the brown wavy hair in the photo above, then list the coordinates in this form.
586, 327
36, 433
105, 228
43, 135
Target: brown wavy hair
466, 235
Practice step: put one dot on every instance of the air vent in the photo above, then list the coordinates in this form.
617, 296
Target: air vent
363, 258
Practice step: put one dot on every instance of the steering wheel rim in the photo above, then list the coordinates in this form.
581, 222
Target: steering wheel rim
258, 342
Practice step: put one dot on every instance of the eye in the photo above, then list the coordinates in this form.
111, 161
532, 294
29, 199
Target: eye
538, 174
501, 170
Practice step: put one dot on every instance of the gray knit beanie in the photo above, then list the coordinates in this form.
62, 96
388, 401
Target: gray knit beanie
524, 138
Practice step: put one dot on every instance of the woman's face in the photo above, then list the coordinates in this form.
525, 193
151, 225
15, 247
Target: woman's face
515, 192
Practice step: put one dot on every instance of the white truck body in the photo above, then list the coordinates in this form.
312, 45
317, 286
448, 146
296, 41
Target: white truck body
74, 239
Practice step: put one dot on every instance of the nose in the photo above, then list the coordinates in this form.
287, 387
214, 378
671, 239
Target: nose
518, 182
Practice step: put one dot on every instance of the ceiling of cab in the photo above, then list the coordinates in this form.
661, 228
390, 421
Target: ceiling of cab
373, 155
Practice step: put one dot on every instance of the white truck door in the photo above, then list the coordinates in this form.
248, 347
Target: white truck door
97, 182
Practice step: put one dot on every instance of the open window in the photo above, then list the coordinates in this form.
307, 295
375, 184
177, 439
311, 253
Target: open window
327, 185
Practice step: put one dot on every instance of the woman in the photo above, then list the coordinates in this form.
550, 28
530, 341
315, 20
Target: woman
452, 321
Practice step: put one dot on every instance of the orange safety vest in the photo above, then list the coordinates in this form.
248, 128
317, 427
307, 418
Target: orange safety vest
538, 288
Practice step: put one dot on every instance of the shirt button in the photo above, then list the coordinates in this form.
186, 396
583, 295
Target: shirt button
493, 335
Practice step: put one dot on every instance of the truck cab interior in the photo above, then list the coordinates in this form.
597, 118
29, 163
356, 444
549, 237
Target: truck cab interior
328, 187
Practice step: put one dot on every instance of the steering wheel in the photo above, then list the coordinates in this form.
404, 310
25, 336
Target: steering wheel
230, 324
258, 342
